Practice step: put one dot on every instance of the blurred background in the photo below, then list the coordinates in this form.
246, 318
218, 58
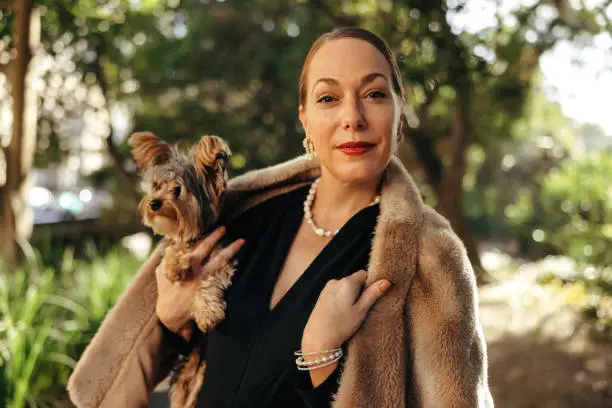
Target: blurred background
509, 136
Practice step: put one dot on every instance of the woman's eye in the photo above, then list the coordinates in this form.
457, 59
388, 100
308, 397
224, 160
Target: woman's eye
377, 94
177, 191
326, 99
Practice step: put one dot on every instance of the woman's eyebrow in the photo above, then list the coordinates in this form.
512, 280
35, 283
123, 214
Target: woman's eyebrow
371, 77
365, 80
330, 81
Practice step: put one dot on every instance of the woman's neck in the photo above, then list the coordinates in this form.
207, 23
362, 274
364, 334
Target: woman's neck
337, 201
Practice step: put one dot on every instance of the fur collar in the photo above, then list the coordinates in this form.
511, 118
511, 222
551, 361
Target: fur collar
420, 345
400, 198
376, 359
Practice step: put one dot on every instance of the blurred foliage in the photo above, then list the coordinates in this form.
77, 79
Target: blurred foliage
506, 175
47, 317
547, 187
575, 209
585, 287
187, 68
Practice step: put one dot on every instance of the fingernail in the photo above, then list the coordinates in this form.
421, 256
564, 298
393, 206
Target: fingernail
384, 285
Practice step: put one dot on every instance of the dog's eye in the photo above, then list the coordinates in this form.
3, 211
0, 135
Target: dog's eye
177, 191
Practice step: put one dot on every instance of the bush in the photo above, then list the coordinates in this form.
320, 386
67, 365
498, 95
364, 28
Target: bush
587, 288
47, 318
576, 203
570, 212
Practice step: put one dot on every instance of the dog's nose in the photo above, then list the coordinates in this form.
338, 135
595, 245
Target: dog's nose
155, 204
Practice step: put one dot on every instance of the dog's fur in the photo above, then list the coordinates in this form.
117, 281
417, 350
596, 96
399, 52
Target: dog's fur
420, 346
184, 193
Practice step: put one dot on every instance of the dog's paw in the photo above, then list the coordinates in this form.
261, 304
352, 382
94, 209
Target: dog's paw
174, 275
184, 265
208, 307
177, 265
207, 320
184, 261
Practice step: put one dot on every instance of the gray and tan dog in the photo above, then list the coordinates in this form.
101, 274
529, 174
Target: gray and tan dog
184, 193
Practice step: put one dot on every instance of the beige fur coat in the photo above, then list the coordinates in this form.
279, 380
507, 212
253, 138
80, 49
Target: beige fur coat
421, 344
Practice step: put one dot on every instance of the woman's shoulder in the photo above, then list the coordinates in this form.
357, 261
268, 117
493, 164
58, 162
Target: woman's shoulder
442, 255
436, 230
257, 216
282, 200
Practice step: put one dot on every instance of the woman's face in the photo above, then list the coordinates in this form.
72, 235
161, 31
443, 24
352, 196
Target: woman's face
350, 98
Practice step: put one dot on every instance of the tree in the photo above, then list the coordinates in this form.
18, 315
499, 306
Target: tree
470, 88
18, 153
183, 69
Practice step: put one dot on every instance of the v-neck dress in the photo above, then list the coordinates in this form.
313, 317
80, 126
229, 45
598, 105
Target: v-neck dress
250, 355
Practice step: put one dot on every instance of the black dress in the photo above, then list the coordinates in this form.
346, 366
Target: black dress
250, 360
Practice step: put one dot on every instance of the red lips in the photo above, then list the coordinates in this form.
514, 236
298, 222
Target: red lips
354, 145
354, 148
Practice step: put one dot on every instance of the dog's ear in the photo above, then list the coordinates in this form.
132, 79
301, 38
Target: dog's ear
211, 157
148, 150
211, 154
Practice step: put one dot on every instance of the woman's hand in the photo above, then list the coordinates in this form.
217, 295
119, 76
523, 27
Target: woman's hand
340, 310
174, 299
337, 315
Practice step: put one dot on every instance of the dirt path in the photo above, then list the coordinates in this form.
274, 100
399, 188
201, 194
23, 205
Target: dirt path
541, 354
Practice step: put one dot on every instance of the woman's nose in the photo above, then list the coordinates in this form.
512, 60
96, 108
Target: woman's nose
353, 116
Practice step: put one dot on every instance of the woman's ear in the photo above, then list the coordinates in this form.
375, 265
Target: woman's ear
302, 116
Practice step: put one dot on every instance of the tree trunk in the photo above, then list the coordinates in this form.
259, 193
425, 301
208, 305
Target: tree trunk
450, 189
447, 181
15, 218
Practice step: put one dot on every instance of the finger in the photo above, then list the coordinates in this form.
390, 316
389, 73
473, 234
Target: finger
206, 245
371, 294
358, 278
224, 256
162, 280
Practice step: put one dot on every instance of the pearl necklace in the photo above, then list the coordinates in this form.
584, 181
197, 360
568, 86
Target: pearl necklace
308, 214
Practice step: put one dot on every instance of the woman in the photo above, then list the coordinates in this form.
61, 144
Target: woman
383, 321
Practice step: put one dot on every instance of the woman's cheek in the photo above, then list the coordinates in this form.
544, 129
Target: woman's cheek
390, 124
322, 130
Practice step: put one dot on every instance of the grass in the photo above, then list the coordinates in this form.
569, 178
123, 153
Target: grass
47, 318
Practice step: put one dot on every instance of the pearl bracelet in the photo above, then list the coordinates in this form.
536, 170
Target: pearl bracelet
329, 359
312, 353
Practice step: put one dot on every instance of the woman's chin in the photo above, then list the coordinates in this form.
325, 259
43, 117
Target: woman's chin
357, 172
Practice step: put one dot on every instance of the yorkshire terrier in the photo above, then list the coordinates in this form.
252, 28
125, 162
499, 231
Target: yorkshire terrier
184, 195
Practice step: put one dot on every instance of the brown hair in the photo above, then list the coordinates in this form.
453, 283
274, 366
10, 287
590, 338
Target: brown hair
361, 34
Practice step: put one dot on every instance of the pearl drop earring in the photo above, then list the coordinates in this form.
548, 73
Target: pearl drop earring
309, 147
